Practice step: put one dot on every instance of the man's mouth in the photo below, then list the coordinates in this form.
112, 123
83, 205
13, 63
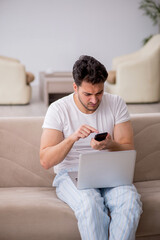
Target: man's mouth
92, 105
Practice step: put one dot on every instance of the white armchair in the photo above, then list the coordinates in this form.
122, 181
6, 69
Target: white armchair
138, 74
14, 82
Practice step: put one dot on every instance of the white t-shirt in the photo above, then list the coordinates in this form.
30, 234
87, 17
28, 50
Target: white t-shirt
65, 116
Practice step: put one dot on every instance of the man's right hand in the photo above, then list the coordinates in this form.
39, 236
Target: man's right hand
83, 132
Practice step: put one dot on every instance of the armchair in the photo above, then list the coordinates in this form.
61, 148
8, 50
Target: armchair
14, 82
136, 77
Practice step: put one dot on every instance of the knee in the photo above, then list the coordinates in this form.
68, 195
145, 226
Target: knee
132, 199
124, 196
133, 206
137, 204
90, 204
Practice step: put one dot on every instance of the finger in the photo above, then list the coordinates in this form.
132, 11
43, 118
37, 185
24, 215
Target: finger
108, 136
92, 129
84, 133
95, 144
87, 129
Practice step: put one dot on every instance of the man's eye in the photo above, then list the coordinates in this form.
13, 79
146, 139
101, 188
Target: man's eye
99, 93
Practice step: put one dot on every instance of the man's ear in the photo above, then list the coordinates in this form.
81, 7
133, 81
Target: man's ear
75, 88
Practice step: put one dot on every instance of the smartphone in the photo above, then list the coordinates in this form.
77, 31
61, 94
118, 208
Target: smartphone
100, 136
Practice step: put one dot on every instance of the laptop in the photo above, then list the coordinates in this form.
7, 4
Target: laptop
104, 169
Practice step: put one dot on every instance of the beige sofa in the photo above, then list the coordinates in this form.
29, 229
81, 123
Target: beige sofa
29, 208
14, 82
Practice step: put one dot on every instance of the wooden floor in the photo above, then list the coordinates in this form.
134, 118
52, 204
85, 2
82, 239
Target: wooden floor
38, 108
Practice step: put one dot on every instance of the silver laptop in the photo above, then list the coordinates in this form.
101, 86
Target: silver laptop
104, 169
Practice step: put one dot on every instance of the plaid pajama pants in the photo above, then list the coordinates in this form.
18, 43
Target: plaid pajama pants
91, 207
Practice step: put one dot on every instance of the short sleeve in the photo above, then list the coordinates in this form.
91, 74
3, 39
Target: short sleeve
121, 111
53, 118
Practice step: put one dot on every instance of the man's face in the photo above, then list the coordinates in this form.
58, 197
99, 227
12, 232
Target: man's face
88, 96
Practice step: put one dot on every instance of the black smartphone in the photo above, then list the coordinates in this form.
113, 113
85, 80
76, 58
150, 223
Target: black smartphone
100, 136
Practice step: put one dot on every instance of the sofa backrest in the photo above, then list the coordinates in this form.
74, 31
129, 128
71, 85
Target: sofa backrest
20, 141
19, 153
147, 144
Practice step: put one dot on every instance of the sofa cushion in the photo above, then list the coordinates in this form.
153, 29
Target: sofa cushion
35, 213
149, 224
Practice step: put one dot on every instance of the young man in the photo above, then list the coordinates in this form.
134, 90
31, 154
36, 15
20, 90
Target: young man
68, 128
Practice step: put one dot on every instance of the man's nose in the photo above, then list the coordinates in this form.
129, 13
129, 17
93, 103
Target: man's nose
94, 99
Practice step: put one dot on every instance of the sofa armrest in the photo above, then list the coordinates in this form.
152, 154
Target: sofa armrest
29, 77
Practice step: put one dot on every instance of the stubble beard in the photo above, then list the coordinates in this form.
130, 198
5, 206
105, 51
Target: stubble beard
86, 107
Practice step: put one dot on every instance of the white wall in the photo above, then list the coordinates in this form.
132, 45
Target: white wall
54, 33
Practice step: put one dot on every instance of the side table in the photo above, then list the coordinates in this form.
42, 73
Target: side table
54, 86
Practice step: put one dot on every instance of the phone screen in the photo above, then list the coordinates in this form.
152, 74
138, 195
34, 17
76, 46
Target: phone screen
100, 136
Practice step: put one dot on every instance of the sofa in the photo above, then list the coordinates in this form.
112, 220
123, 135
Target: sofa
136, 76
29, 208
15, 88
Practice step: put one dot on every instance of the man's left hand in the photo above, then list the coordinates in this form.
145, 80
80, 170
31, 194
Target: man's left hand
103, 145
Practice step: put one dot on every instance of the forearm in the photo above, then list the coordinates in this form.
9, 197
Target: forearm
54, 148
52, 155
114, 146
